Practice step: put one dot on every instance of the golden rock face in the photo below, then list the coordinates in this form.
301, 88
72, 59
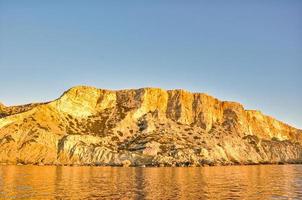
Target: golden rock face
147, 126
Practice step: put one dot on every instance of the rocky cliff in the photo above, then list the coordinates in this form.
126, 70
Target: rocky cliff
145, 126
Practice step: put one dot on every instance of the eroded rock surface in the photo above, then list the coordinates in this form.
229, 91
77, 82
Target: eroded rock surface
148, 126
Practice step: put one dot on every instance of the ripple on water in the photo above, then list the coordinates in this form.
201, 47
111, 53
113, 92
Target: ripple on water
228, 182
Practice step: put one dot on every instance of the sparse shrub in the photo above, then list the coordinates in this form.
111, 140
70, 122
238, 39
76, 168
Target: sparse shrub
120, 133
275, 139
115, 138
142, 125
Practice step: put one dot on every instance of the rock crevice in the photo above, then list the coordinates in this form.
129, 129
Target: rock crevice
148, 126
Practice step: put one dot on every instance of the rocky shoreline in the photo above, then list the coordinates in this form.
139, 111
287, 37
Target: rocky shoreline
143, 127
152, 166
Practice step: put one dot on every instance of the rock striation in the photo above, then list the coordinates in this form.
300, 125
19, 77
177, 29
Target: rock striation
143, 127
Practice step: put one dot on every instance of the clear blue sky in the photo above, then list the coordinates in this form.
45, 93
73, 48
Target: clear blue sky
245, 51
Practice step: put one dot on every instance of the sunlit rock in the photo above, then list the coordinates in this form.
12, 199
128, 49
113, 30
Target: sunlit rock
143, 127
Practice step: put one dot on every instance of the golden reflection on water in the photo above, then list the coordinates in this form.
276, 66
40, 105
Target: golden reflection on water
229, 182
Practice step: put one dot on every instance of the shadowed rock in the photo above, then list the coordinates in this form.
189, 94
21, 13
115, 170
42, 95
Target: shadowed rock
141, 127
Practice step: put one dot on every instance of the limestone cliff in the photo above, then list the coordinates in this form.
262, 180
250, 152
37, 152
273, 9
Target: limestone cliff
147, 126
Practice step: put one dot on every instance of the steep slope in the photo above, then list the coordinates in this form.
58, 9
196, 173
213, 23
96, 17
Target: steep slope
145, 126
6, 111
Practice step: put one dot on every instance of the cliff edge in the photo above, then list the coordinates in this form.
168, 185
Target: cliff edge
147, 126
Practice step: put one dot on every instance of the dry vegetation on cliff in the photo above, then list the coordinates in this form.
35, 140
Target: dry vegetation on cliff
145, 126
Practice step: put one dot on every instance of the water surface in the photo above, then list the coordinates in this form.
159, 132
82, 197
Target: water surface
228, 182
